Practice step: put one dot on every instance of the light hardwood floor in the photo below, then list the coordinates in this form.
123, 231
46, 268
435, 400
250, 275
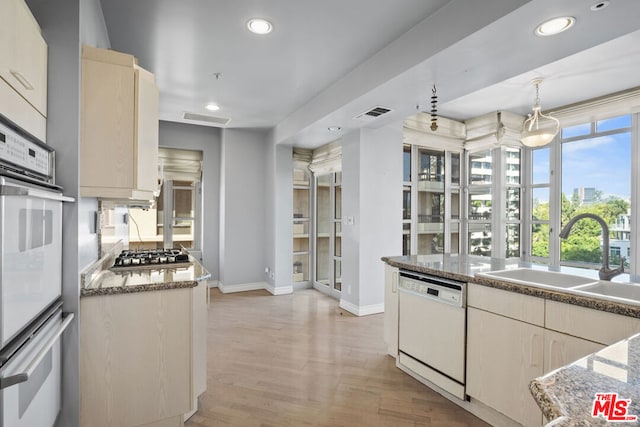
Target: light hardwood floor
295, 360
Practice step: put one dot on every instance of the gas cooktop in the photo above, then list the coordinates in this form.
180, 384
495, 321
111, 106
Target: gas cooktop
151, 257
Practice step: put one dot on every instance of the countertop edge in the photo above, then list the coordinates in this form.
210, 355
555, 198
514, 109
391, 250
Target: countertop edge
138, 288
559, 296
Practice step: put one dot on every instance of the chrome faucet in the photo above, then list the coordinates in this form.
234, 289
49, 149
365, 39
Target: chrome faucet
605, 272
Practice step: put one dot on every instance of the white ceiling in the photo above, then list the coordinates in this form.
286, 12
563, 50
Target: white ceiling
326, 61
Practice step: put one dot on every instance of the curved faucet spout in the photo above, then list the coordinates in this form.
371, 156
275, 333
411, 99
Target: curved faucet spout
605, 272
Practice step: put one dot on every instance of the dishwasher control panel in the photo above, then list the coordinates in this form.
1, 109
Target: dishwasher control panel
434, 288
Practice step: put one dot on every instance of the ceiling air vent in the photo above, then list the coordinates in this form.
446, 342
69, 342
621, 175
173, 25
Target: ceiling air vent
220, 121
373, 113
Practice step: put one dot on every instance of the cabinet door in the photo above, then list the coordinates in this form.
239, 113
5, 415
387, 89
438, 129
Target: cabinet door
391, 309
107, 126
594, 325
23, 53
146, 153
561, 349
503, 356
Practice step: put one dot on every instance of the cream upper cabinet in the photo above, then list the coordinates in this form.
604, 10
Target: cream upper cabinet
119, 127
391, 309
23, 68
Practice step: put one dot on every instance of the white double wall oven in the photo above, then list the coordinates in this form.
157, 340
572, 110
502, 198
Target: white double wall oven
31, 317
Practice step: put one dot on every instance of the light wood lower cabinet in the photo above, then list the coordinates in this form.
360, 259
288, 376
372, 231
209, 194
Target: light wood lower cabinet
594, 325
391, 309
503, 356
562, 349
142, 357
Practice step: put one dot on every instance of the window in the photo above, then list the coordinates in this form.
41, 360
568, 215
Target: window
174, 221
479, 203
406, 200
594, 176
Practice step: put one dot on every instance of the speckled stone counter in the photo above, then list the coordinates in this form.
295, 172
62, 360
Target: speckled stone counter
566, 395
465, 267
145, 279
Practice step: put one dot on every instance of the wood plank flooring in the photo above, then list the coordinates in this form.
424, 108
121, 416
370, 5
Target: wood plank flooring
298, 360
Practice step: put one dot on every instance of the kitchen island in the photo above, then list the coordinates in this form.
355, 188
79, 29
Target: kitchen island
522, 341
142, 344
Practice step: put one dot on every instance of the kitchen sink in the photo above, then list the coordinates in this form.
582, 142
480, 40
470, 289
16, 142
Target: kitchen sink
613, 290
539, 278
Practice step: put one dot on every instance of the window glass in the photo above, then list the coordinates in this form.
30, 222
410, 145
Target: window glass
596, 179
406, 163
513, 165
406, 202
540, 204
480, 164
455, 168
513, 241
513, 203
540, 240
406, 239
479, 203
541, 167
620, 122
480, 239
578, 130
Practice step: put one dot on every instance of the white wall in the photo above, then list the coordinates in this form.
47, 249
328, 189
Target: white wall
242, 206
61, 22
372, 195
207, 140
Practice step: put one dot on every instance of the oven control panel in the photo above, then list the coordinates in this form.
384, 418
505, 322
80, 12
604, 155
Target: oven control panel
18, 151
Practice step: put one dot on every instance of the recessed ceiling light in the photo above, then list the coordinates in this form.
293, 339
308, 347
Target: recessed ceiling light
212, 107
555, 26
334, 128
259, 26
600, 5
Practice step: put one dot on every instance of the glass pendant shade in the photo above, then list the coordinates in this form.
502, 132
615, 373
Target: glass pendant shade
539, 129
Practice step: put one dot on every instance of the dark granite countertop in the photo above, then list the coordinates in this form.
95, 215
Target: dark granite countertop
465, 267
144, 279
566, 395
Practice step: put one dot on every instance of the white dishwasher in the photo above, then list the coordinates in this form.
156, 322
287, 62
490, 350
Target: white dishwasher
432, 329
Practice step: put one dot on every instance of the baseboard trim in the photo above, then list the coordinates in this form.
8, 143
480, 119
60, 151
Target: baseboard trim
242, 287
255, 286
280, 290
213, 283
361, 310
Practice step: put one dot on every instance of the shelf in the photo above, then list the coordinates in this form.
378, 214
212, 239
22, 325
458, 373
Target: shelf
300, 236
301, 253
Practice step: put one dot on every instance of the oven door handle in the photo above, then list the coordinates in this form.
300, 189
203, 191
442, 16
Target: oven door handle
10, 190
33, 364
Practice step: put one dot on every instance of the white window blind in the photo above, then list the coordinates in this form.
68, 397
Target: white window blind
180, 165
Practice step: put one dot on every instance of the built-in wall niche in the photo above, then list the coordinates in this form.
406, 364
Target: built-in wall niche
301, 223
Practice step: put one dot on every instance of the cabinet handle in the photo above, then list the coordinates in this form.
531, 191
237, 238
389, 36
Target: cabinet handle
394, 282
534, 356
22, 79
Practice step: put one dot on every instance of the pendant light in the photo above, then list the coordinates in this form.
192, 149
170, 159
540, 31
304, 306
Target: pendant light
539, 129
